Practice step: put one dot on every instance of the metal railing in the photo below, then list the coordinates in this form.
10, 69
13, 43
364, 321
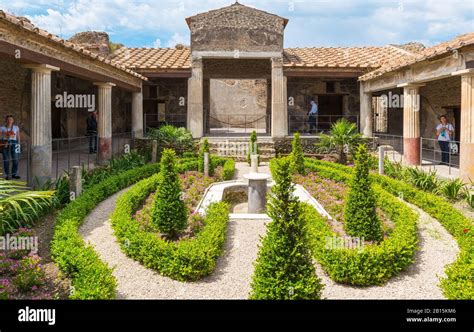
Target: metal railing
393, 145
153, 120
66, 153
430, 151
320, 123
236, 124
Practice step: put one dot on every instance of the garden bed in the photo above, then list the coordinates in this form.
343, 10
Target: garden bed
459, 283
187, 259
371, 263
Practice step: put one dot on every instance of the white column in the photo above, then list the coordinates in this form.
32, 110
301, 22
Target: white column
41, 136
366, 112
466, 155
137, 114
411, 123
104, 121
195, 99
279, 100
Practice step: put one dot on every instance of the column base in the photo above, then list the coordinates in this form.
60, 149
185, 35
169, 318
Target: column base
41, 165
105, 150
411, 151
466, 161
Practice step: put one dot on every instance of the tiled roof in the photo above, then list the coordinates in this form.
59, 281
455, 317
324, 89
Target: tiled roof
341, 57
318, 57
426, 54
153, 58
27, 25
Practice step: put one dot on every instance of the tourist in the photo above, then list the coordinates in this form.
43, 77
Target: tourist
10, 146
92, 131
444, 132
313, 116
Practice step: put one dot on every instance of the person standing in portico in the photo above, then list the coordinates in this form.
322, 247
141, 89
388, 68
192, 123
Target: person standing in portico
444, 132
313, 116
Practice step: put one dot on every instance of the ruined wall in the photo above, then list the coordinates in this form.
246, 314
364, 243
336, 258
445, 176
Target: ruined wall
237, 68
438, 98
15, 95
237, 28
237, 102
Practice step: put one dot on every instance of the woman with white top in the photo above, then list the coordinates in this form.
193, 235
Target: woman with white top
444, 132
10, 136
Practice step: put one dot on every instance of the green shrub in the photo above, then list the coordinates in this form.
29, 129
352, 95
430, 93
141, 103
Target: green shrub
427, 181
342, 139
228, 170
253, 147
169, 213
170, 137
91, 278
375, 263
459, 283
29, 273
297, 155
452, 189
360, 214
189, 259
284, 268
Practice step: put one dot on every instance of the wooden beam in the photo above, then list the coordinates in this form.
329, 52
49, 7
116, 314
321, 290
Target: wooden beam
322, 73
165, 74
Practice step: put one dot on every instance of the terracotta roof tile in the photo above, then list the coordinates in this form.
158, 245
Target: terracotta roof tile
316, 57
426, 54
26, 24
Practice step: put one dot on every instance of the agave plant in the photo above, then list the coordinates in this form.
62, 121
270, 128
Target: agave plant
342, 139
427, 181
20, 206
452, 189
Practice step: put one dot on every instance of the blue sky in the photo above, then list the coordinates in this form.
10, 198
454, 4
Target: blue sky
160, 23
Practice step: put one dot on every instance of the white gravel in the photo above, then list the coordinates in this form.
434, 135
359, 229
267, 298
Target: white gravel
230, 280
420, 280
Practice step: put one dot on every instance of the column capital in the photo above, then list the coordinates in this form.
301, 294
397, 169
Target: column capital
464, 72
41, 68
277, 62
410, 85
196, 62
104, 84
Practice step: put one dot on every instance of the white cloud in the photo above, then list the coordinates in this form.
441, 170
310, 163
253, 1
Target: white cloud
177, 39
312, 23
157, 43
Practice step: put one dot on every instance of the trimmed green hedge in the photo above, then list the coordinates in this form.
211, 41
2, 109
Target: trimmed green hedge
376, 263
186, 260
91, 278
459, 283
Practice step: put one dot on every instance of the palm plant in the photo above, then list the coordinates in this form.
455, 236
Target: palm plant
342, 139
171, 137
20, 206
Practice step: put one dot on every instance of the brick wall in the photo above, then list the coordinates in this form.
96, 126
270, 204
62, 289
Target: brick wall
15, 92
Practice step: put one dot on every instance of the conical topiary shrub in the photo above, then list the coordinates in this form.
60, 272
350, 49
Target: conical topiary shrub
360, 212
169, 213
284, 268
297, 155
253, 147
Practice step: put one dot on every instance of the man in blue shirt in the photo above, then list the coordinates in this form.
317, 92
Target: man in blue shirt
313, 117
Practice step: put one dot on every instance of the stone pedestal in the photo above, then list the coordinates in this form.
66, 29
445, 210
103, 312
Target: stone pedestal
41, 135
366, 113
257, 192
195, 100
206, 163
279, 100
411, 123
254, 163
75, 181
104, 121
137, 114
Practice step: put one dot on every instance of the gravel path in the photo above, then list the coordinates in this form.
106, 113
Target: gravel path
420, 281
230, 280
